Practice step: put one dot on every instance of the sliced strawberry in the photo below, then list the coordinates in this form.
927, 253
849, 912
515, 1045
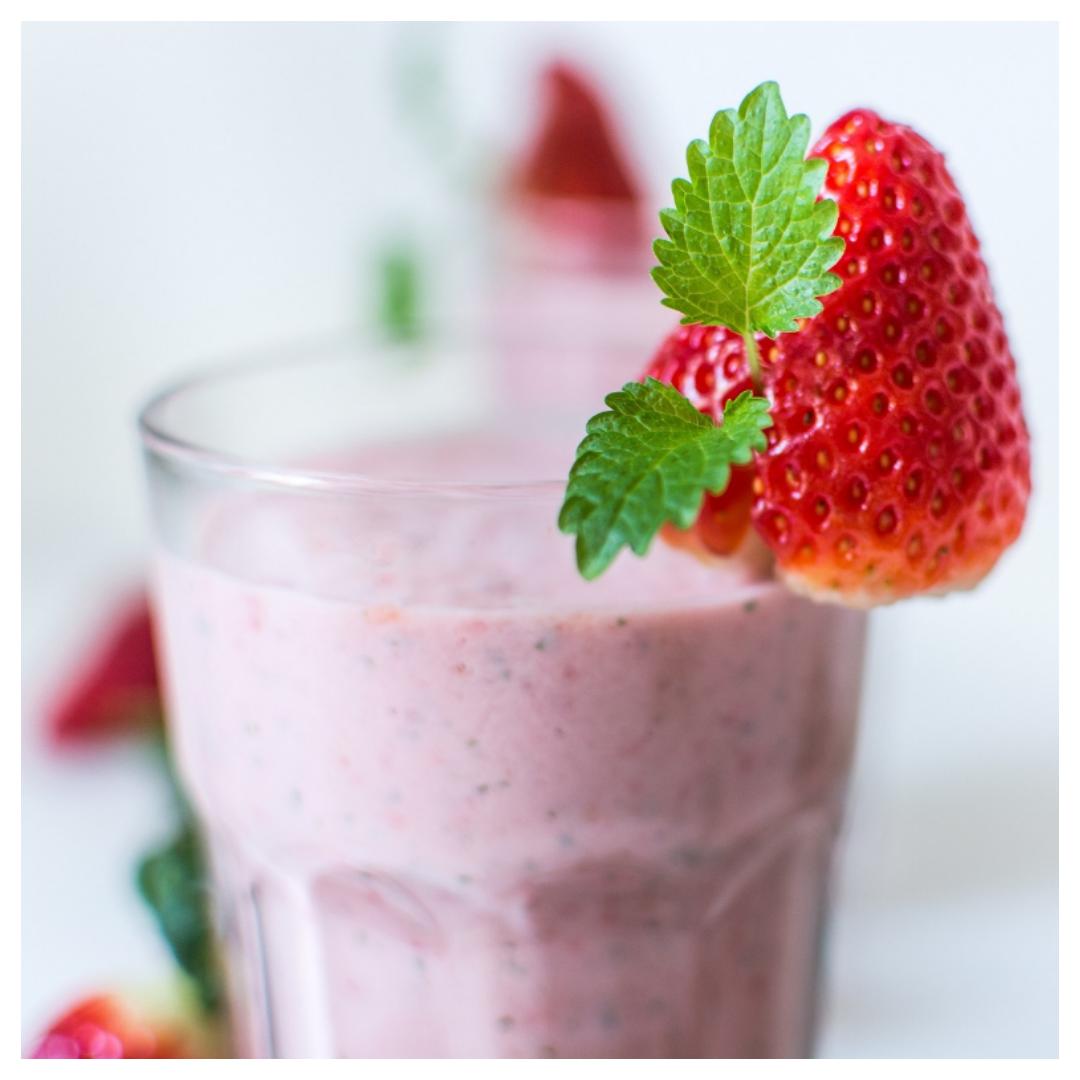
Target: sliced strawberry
575, 154
899, 463
104, 1026
707, 365
115, 688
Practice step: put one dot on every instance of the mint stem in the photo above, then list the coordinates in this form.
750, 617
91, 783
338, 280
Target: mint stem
753, 361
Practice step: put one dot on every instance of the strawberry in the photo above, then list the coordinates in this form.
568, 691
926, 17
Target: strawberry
573, 200
116, 686
884, 427
899, 460
707, 365
574, 154
107, 1026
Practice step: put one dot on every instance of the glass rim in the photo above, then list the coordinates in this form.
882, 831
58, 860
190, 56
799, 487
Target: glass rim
299, 354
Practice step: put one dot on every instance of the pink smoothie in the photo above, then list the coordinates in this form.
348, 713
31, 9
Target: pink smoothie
462, 803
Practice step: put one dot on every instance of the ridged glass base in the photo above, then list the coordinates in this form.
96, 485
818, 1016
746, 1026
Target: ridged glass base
700, 954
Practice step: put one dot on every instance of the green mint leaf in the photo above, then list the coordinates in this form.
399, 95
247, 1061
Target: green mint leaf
750, 244
649, 460
400, 292
173, 881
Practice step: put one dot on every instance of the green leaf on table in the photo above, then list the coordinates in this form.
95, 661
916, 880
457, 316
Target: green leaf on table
647, 461
173, 881
749, 242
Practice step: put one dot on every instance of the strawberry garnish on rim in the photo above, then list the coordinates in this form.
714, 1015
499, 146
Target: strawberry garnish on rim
899, 463
895, 458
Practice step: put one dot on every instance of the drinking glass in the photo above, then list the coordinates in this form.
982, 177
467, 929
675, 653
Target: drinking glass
458, 801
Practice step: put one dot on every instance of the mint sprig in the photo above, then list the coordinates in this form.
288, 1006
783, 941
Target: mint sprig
750, 244
648, 460
172, 881
749, 247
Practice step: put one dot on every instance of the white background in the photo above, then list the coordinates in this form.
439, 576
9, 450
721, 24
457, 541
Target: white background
194, 189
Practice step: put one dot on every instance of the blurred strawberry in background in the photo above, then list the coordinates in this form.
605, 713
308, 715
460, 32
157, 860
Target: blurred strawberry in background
575, 153
573, 233
129, 1026
113, 687
572, 188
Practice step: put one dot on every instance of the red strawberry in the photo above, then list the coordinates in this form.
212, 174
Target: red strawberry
116, 686
899, 461
573, 200
707, 365
575, 153
105, 1026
